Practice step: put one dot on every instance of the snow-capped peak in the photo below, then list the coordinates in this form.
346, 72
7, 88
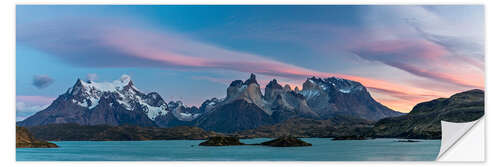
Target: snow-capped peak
315, 86
88, 94
116, 85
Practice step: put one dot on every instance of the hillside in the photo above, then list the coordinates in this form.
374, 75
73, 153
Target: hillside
25, 140
424, 120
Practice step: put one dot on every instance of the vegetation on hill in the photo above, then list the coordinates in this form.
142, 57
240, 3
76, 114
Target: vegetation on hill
25, 140
75, 132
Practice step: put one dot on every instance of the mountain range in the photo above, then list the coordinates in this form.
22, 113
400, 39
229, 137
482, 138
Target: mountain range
244, 107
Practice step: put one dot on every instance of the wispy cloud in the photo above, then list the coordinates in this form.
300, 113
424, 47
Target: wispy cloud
418, 57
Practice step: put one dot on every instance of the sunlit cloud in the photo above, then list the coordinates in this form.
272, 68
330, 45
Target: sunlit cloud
421, 58
40, 100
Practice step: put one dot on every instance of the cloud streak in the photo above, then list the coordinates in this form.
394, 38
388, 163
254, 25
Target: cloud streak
410, 56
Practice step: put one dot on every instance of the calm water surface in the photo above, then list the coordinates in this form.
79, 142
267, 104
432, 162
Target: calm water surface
323, 149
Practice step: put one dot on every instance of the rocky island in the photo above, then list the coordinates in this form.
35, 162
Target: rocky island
25, 140
286, 141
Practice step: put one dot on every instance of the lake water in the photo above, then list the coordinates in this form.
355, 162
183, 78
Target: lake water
323, 149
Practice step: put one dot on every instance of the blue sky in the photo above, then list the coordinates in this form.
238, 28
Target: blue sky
403, 54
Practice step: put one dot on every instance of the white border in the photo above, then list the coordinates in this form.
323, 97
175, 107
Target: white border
7, 84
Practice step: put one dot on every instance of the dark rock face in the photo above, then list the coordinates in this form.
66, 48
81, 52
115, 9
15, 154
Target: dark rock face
286, 141
272, 90
336, 96
352, 137
251, 80
222, 141
424, 120
235, 116
75, 132
248, 91
24, 139
285, 104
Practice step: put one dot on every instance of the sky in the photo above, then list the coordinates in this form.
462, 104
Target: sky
404, 55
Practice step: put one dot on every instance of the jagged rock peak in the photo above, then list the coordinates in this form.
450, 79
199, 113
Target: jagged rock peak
273, 84
251, 80
287, 88
78, 83
130, 83
124, 83
236, 83
175, 104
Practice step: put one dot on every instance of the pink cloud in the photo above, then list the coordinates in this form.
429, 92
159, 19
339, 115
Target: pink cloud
419, 57
36, 100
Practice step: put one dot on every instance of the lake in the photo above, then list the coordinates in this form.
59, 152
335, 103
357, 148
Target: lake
322, 149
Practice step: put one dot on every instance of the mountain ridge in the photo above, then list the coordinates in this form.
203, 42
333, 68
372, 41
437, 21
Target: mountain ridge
119, 103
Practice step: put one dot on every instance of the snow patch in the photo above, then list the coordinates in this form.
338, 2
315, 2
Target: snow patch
80, 104
94, 102
345, 90
187, 116
309, 93
323, 87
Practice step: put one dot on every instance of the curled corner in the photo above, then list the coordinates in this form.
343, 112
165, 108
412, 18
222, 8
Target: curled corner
451, 133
